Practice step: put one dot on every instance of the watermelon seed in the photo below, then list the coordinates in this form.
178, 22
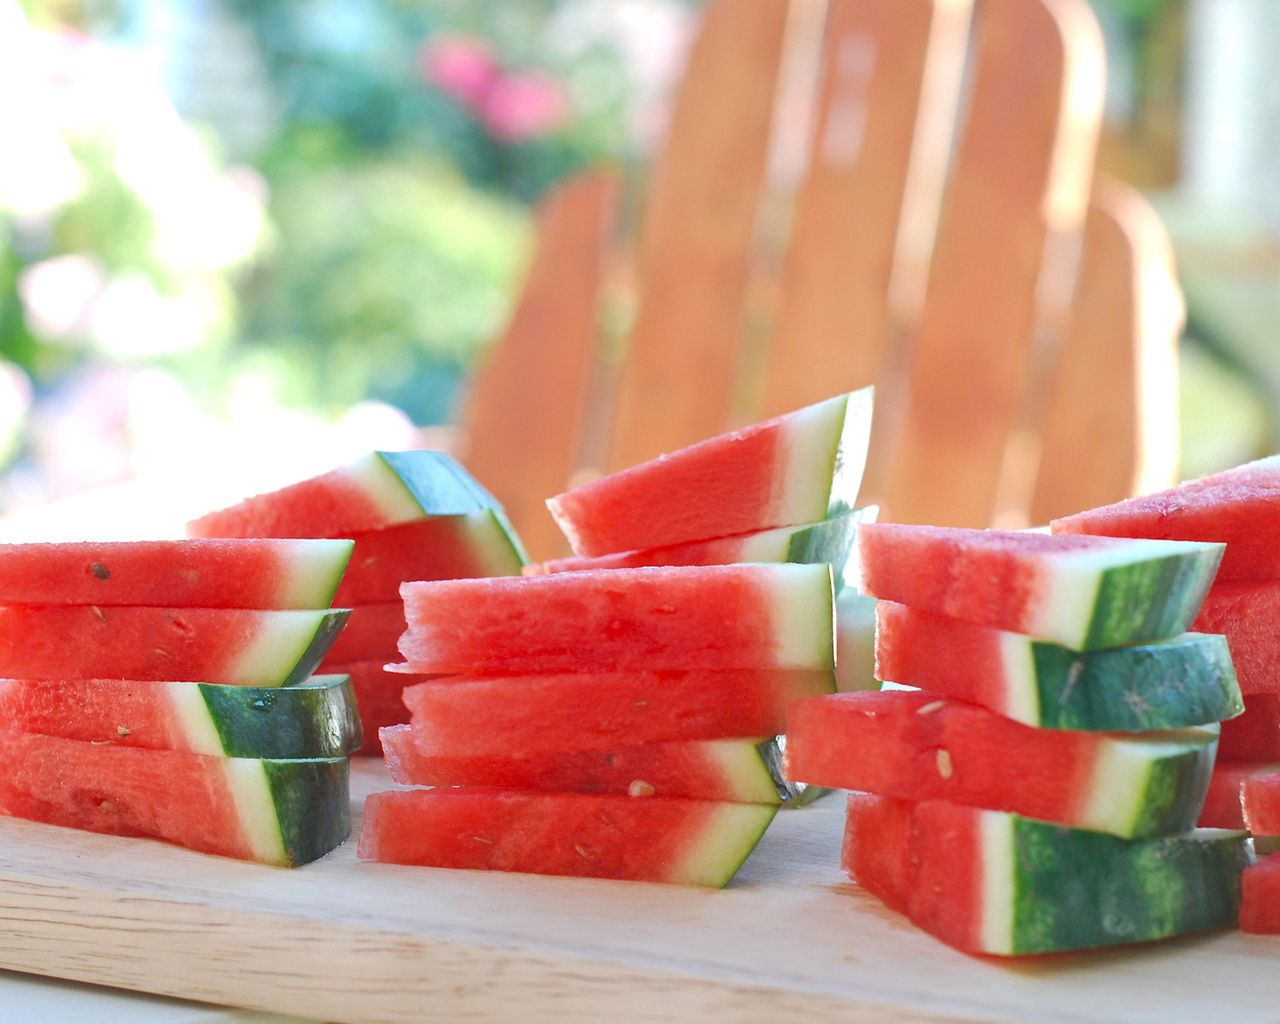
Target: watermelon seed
482, 839
583, 851
638, 787
99, 570
122, 730
98, 612
931, 707
944, 763
642, 703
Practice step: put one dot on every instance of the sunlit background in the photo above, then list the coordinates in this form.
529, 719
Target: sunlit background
237, 234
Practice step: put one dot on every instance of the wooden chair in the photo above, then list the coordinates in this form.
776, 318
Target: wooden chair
1020, 321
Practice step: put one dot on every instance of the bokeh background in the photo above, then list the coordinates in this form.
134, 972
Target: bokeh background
239, 235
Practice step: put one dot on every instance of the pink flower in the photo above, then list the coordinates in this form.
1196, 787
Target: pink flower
462, 67
524, 106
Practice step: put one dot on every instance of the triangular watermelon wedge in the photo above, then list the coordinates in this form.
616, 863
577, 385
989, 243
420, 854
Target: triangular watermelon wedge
798, 468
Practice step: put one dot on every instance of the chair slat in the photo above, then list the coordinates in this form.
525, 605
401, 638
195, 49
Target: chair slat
527, 404
1023, 166
833, 319
1111, 427
677, 382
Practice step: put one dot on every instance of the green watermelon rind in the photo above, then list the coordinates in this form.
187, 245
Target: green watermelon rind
1072, 889
1150, 784
834, 541
1186, 681
436, 483
314, 718
312, 804
1151, 599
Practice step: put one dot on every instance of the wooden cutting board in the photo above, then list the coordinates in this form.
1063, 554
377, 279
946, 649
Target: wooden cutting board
346, 941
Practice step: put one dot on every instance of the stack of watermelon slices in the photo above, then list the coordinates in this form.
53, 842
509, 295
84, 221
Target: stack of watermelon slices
1029, 781
249, 761
1241, 508
413, 515
612, 714
778, 491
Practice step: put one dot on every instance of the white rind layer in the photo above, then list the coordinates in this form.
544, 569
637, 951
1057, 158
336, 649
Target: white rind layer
1065, 608
280, 643
740, 761
725, 841
1022, 694
803, 604
247, 781
382, 485
769, 546
995, 853
316, 567
1118, 788
855, 641
807, 461
192, 714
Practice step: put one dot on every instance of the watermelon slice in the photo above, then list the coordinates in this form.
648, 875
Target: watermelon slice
1260, 798
377, 490
995, 883
217, 645
1249, 616
283, 812
651, 839
266, 574
1255, 735
314, 718
1082, 592
797, 468
832, 541
855, 641
702, 769
1260, 897
371, 633
916, 745
436, 548
1240, 507
716, 616
527, 716
1169, 684
1224, 802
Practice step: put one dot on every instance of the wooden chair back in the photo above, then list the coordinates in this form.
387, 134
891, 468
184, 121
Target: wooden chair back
1020, 323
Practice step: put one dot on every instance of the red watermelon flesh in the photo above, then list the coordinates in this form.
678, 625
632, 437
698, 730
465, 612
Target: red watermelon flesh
797, 468
1248, 615
371, 633
1081, 592
180, 797
1260, 897
1224, 802
378, 697
1240, 507
1260, 796
880, 854
651, 839
215, 645
372, 492
266, 574
436, 548
1255, 735
732, 616
699, 769
912, 744
525, 716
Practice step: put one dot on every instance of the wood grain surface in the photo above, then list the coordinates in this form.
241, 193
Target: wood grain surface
346, 941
